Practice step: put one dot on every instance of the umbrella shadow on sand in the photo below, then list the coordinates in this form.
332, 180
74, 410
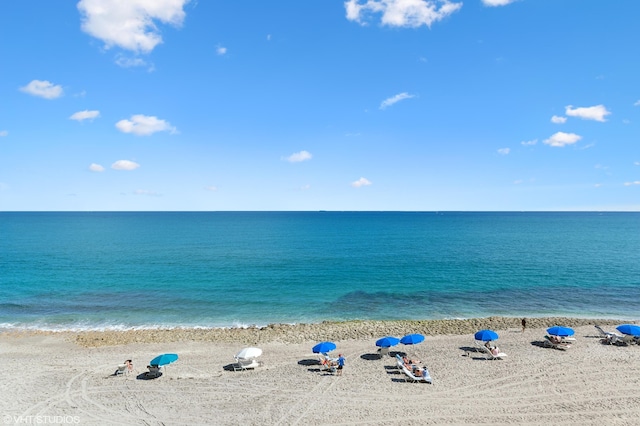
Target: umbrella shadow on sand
371, 357
148, 376
309, 361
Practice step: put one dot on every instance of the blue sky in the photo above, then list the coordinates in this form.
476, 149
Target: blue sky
319, 105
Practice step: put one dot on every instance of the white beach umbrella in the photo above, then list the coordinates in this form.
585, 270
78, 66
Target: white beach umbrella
249, 353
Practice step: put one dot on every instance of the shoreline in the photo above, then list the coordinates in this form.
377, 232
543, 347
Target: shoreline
297, 333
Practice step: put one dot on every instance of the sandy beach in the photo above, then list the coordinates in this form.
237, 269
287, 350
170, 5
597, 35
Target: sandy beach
68, 377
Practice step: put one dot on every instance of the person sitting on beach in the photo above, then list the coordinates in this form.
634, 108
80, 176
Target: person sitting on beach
495, 350
407, 362
129, 365
555, 339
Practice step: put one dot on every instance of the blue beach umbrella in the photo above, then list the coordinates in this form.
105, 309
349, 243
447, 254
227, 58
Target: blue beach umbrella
387, 342
486, 335
323, 347
412, 339
560, 331
163, 359
632, 329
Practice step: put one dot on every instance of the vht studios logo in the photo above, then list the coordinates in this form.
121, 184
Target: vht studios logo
39, 420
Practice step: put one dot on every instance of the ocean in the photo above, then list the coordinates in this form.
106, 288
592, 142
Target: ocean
124, 270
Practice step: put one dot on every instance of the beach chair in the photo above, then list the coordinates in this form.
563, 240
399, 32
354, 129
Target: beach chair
328, 363
399, 361
611, 338
491, 356
246, 364
121, 370
555, 344
487, 352
154, 371
415, 379
628, 339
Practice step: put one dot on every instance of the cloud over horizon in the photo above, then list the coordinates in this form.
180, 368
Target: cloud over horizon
361, 182
125, 165
298, 157
395, 99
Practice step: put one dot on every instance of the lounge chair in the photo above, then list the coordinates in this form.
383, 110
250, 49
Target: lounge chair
154, 371
628, 339
412, 378
121, 370
550, 342
246, 364
488, 353
399, 361
328, 363
612, 338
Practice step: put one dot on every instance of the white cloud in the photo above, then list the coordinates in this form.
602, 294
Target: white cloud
597, 113
561, 139
558, 119
497, 2
504, 151
636, 163
221, 50
146, 192
211, 188
124, 165
401, 13
635, 182
268, 37
305, 187
143, 125
361, 182
395, 99
43, 89
131, 62
96, 168
637, 103
299, 156
3, 186
4, 133
130, 24
529, 143
84, 115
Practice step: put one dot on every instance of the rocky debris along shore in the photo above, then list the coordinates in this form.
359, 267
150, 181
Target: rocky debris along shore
334, 331
298, 333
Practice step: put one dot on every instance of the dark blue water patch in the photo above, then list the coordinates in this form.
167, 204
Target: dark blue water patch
572, 300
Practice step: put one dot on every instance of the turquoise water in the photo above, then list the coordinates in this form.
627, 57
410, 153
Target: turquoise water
122, 270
